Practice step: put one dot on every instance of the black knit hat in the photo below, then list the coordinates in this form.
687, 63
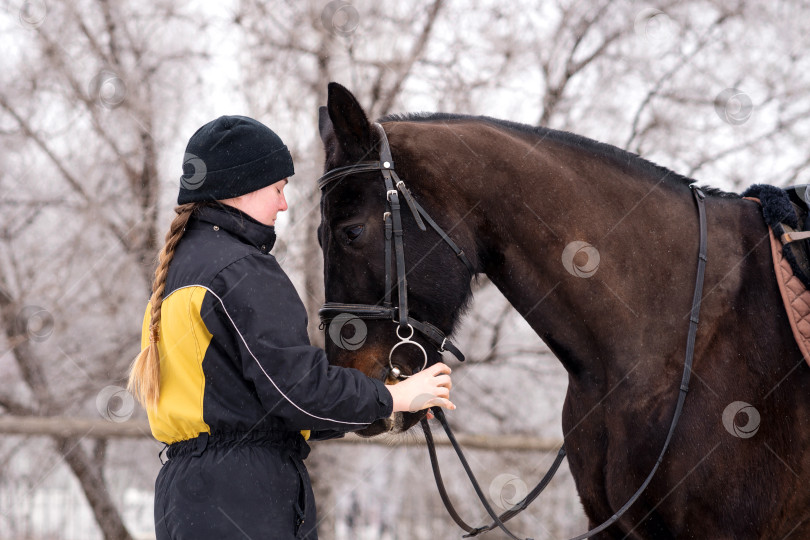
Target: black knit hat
232, 156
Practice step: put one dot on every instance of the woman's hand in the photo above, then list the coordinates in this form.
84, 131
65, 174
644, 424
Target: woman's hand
428, 388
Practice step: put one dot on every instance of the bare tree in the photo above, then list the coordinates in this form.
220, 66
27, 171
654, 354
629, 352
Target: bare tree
86, 112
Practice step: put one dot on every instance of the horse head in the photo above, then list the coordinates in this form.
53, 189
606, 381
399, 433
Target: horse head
353, 236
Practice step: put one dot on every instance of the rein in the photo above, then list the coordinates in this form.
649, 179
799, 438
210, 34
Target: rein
394, 235
498, 521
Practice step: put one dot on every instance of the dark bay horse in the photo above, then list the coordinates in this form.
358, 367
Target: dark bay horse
597, 249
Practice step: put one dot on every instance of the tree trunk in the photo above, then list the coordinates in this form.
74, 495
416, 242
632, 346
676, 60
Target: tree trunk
95, 490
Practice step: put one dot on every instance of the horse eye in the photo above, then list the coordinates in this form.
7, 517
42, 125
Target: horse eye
353, 232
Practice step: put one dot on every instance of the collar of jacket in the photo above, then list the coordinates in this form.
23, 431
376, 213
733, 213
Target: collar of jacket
239, 224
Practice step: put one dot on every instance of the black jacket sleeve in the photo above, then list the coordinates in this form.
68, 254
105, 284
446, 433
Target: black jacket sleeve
293, 379
326, 435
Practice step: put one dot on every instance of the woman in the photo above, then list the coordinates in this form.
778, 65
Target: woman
227, 375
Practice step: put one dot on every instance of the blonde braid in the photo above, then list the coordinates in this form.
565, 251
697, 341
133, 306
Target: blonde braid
144, 376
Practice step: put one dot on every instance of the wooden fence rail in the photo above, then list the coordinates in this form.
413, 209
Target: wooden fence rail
61, 426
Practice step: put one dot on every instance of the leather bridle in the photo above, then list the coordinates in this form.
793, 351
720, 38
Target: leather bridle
393, 234
392, 217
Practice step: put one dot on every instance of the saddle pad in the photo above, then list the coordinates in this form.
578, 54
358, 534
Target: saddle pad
795, 296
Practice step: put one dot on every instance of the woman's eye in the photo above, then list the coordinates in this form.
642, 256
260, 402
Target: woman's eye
353, 232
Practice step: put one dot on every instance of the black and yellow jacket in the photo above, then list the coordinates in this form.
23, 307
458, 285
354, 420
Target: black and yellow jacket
234, 350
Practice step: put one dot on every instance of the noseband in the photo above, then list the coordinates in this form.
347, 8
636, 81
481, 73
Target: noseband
394, 186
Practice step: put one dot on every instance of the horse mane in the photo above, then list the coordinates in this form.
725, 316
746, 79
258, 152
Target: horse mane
608, 151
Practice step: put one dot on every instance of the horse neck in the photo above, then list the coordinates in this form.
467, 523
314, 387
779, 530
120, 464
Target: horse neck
598, 319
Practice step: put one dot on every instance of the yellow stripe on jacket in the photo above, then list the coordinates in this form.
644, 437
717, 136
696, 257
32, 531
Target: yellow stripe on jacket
184, 339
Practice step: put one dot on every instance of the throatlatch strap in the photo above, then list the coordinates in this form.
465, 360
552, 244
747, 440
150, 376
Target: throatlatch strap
458, 251
408, 199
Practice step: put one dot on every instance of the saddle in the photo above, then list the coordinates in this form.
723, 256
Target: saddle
787, 214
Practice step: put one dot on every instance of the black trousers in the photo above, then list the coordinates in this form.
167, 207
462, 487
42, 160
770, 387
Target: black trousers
236, 485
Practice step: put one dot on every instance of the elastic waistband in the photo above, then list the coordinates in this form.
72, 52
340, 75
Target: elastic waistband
291, 441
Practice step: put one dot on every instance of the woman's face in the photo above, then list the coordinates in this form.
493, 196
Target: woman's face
264, 204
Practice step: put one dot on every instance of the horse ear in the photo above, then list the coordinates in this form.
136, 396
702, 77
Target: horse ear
349, 122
